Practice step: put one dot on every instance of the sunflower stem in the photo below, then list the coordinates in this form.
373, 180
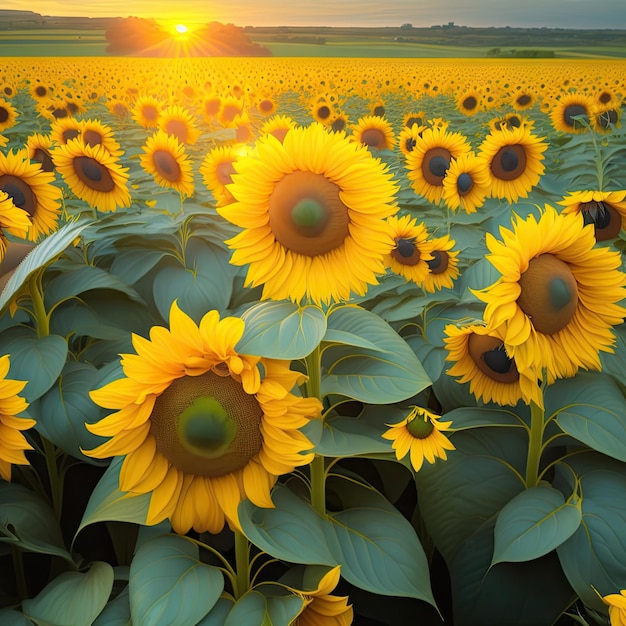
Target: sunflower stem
535, 444
40, 315
56, 485
242, 564
20, 575
598, 160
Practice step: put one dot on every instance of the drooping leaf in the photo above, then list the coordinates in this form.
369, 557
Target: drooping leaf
116, 612
73, 597
170, 585
9, 617
218, 614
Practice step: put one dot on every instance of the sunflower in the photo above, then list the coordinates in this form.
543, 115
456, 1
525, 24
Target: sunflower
322, 111
64, 130
217, 169
12, 441
93, 174
202, 428
524, 99
617, 607
339, 121
375, 132
377, 108
230, 108
479, 357
407, 139
514, 160
430, 159
211, 106
443, 267
8, 115
420, 434
266, 105
606, 210
12, 220
469, 102
278, 125
413, 119
410, 256
323, 609
557, 297
177, 121
32, 190
466, 183
166, 160
39, 91
95, 133
3, 141
572, 113
606, 119
313, 212
39, 148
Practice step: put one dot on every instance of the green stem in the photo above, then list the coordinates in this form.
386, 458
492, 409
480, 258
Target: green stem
535, 445
56, 484
318, 466
41, 318
20, 575
598, 160
242, 564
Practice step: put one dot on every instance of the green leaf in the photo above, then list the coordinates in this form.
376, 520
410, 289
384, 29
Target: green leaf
591, 408
390, 373
533, 523
28, 522
465, 418
43, 254
39, 360
107, 503
131, 265
217, 615
292, 531
66, 407
281, 330
283, 609
251, 610
9, 617
478, 276
72, 598
116, 612
170, 585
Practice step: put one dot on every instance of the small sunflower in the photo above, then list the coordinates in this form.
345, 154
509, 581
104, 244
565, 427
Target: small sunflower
443, 267
524, 99
95, 133
410, 256
39, 148
278, 125
313, 212
322, 111
32, 190
407, 139
202, 427
466, 184
606, 210
339, 121
93, 174
514, 160
217, 170
469, 102
606, 119
12, 441
479, 357
64, 130
617, 607
211, 106
377, 108
421, 436
266, 105
417, 118
8, 115
571, 113
375, 132
230, 108
555, 312
12, 220
430, 159
164, 157
175, 120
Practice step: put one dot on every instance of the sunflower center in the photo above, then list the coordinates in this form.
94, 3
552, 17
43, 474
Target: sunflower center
470, 103
44, 159
509, 162
413, 120
374, 138
306, 214
420, 428
464, 183
93, 174
266, 106
20, 193
69, 134
606, 220
4, 115
575, 116
406, 252
378, 111
323, 112
549, 294
523, 100
92, 138
338, 124
513, 122
166, 165
439, 263
604, 97
177, 128
224, 171
207, 425
410, 144
435, 165
41, 91
490, 357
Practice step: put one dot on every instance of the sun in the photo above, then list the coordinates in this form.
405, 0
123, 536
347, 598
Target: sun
181, 29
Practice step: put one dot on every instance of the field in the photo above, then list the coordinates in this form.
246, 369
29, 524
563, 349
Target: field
310, 340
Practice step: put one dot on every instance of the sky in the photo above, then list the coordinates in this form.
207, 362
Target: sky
420, 13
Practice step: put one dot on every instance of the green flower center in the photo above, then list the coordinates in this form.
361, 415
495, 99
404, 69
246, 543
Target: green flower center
309, 215
205, 429
420, 427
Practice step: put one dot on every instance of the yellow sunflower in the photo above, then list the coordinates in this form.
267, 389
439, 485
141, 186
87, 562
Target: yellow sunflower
571, 113
421, 436
8, 115
95, 133
323, 609
410, 256
466, 183
524, 99
417, 118
93, 174
430, 159
606, 119
12, 441
514, 160
606, 210
12, 220
375, 132
443, 267
146, 111
39, 148
322, 111
469, 102
479, 357
617, 607
177, 121
266, 105
164, 157
557, 298
202, 428
339, 121
3, 141
278, 125
64, 130
32, 190
217, 170
313, 212
407, 139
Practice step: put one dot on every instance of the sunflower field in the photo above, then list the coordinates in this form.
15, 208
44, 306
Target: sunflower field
312, 342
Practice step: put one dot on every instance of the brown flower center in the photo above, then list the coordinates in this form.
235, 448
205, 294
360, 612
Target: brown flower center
207, 425
549, 294
406, 252
323, 112
524, 100
166, 165
470, 103
490, 357
576, 116
509, 162
4, 114
69, 134
606, 220
44, 159
224, 171
20, 193
373, 138
439, 263
307, 215
178, 128
435, 165
93, 174
150, 113
92, 137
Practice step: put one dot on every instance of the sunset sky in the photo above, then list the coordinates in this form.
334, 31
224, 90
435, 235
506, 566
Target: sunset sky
550, 13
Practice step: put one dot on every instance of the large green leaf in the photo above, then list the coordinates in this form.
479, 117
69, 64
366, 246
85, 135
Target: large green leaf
218, 614
282, 330
131, 265
39, 360
465, 418
256, 608
43, 254
390, 373
170, 585
591, 408
533, 523
73, 597
116, 612
107, 503
9, 617
28, 522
